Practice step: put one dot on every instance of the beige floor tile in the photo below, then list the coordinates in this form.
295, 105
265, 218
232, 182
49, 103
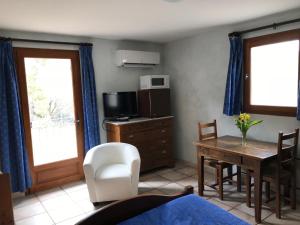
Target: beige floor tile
154, 192
156, 181
173, 176
41, 219
147, 176
28, 211
220, 204
63, 201
59, 215
143, 187
24, 201
188, 181
230, 202
164, 170
265, 212
79, 195
285, 220
171, 188
73, 220
189, 171
244, 216
51, 193
210, 192
86, 206
74, 186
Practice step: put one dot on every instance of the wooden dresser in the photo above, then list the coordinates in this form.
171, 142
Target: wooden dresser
152, 137
6, 209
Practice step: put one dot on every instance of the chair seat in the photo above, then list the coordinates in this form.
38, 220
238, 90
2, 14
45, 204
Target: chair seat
269, 172
112, 171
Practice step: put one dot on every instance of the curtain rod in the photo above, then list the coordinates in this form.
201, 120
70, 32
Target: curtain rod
274, 26
45, 42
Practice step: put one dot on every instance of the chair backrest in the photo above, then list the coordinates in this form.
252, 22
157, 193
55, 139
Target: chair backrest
287, 152
203, 127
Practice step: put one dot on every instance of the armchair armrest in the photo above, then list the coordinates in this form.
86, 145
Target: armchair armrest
132, 157
92, 162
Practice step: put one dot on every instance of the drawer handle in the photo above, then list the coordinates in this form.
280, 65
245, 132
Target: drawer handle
163, 151
164, 141
131, 136
163, 131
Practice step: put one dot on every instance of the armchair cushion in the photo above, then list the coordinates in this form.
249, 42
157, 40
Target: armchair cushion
113, 171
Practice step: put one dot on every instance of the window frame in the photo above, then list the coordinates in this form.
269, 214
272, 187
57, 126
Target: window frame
259, 41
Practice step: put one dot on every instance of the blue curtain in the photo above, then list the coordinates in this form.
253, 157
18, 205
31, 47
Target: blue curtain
298, 105
13, 155
90, 110
233, 92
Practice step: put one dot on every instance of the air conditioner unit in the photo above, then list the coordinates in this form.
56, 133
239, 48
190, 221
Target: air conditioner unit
129, 58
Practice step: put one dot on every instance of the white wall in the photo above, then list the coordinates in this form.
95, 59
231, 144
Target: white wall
198, 70
108, 76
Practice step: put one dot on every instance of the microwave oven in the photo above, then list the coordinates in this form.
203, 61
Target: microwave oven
154, 82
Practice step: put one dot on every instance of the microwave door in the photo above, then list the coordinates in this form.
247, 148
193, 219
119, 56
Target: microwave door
157, 82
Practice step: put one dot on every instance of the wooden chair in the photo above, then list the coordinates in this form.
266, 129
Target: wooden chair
281, 171
218, 165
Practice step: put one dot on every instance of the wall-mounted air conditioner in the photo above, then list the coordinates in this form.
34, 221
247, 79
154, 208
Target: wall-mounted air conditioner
129, 58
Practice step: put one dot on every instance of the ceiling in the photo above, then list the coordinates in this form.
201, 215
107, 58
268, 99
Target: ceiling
146, 20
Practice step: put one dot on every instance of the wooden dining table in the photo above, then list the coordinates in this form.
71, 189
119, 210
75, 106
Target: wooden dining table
251, 156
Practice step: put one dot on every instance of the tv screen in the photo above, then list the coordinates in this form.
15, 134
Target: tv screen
120, 104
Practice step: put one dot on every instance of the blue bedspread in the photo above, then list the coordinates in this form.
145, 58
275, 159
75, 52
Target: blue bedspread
187, 210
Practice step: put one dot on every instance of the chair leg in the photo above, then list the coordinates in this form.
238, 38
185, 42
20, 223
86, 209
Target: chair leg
217, 176
248, 188
286, 193
293, 192
239, 179
267, 187
220, 169
229, 173
278, 200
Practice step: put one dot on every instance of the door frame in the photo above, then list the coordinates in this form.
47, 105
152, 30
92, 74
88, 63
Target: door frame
61, 172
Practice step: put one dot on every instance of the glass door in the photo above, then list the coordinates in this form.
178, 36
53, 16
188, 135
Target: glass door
51, 102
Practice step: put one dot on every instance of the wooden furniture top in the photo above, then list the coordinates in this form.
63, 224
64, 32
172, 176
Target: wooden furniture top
137, 120
230, 144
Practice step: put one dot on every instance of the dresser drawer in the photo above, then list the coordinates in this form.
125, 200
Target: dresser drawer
159, 135
144, 126
162, 123
136, 127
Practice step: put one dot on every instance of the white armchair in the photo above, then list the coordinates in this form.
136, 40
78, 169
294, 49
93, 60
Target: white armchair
112, 171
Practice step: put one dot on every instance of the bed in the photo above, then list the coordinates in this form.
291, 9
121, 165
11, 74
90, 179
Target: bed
182, 209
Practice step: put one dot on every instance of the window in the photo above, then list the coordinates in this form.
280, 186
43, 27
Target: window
272, 73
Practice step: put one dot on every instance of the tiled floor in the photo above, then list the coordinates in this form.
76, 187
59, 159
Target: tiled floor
68, 204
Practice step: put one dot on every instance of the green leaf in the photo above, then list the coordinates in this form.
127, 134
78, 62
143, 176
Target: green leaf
255, 122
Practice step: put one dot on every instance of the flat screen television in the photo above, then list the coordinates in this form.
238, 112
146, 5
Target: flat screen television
120, 104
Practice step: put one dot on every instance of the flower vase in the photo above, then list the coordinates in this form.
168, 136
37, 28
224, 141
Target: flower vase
244, 138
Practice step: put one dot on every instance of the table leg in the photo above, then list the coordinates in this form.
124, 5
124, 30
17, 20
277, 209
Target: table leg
257, 192
239, 178
200, 170
248, 188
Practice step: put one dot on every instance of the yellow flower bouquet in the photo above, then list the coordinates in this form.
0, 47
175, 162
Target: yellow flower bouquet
244, 122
